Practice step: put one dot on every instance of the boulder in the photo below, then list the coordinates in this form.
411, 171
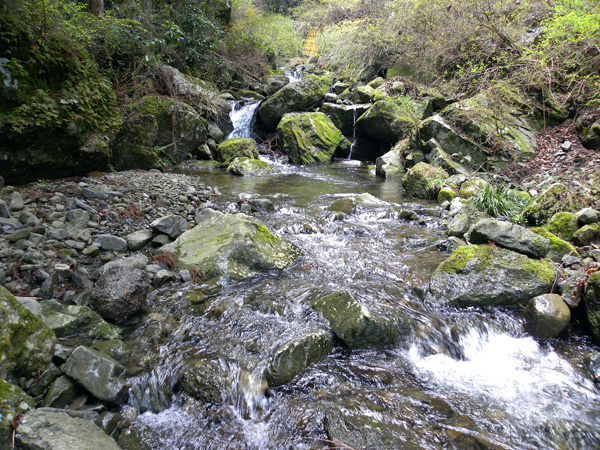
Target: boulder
439, 157
563, 224
345, 205
120, 293
98, 373
26, 342
295, 97
13, 401
55, 429
138, 239
459, 225
587, 234
236, 147
308, 137
473, 187
588, 216
110, 243
489, 276
206, 214
424, 180
293, 357
389, 120
81, 321
446, 194
591, 302
357, 325
344, 116
246, 167
509, 235
231, 247
589, 133
391, 163
558, 247
172, 225
546, 316
545, 204
273, 83
135, 261
204, 380
62, 393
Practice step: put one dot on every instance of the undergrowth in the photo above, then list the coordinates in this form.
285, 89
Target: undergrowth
502, 201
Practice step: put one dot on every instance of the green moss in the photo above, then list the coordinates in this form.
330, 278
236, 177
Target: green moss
587, 234
236, 147
264, 235
558, 247
458, 260
563, 224
446, 194
424, 180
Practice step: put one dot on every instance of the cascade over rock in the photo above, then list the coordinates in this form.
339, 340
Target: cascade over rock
308, 137
294, 97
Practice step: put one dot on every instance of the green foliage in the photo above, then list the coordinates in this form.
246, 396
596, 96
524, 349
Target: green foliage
502, 201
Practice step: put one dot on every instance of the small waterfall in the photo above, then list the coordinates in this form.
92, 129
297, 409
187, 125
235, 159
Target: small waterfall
242, 115
293, 75
354, 114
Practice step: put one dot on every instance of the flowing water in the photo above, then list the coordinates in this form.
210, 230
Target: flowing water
459, 379
243, 114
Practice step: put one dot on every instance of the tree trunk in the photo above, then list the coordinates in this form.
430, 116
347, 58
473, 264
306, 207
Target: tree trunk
96, 7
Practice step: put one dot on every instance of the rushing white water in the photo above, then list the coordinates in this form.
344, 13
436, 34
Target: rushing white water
243, 113
293, 75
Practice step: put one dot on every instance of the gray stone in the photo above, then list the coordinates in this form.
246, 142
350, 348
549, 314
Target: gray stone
172, 225
185, 275
32, 305
4, 211
110, 243
138, 239
245, 167
137, 261
509, 235
162, 277
206, 214
459, 225
390, 164
262, 204
204, 380
13, 401
71, 320
230, 247
489, 276
546, 316
16, 201
55, 429
58, 234
120, 293
29, 219
357, 325
77, 219
10, 222
18, 235
591, 303
98, 373
592, 364
291, 358
160, 240
345, 205
62, 393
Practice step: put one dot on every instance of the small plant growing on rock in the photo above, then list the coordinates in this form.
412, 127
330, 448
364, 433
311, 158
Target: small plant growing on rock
502, 201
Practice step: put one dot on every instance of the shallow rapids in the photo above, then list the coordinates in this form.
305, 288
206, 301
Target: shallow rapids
461, 379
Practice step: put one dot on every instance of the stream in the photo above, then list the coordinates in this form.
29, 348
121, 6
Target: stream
460, 379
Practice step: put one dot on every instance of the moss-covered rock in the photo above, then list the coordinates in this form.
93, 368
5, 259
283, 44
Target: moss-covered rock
204, 380
295, 97
545, 205
231, 247
344, 116
473, 187
244, 167
291, 358
490, 276
587, 234
589, 133
591, 302
235, 148
357, 325
363, 94
26, 342
13, 401
424, 180
389, 120
446, 194
563, 224
558, 246
308, 138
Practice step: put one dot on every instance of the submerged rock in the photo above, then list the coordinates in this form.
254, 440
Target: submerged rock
25, 340
231, 247
489, 276
120, 293
244, 167
98, 373
204, 380
510, 236
546, 315
592, 364
291, 358
54, 429
308, 138
355, 324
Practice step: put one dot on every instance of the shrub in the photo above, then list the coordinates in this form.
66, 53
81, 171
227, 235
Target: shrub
502, 201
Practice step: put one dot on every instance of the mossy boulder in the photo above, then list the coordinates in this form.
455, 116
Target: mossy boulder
546, 316
231, 247
295, 97
13, 401
424, 180
545, 205
563, 224
363, 94
357, 325
72, 320
509, 235
243, 166
439, 157
308, 138
235, 148
489, 276
446, 194
591, 302
291, 358
26, 342
389, 120
273, 83
589, 133
344, 116
558, 246
587, 234
204, 380
473, 187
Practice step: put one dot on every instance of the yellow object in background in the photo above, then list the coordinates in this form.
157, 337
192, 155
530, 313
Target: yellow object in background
311, 47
